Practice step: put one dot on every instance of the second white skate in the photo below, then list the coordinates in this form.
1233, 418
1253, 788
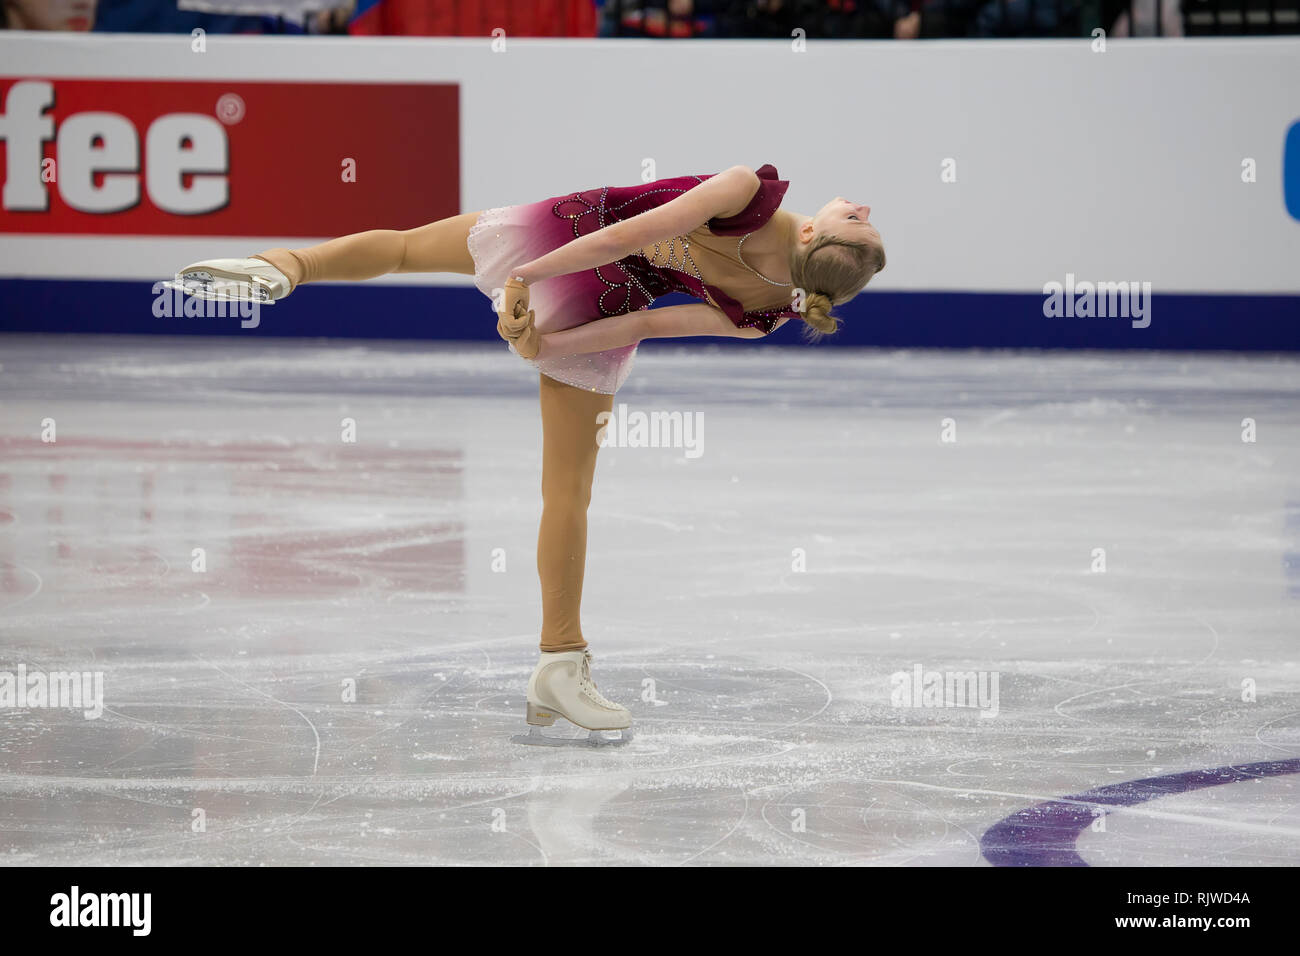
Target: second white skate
240, 280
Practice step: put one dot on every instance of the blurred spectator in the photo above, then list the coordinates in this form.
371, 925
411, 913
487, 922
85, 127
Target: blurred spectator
989, 18
659, 18
673, 19
48, 14
1143, 17
518, 18
309, 16
178, 16
818, 18
165, 16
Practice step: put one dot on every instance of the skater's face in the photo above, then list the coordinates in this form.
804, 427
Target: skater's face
842, 219
855, 251
846, 220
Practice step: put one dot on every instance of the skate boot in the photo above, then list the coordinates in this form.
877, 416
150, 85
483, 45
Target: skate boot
242, 280
561, 686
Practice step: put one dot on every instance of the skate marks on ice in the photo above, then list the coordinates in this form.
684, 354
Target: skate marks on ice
709, 734
736, 760
238, 761
367, 561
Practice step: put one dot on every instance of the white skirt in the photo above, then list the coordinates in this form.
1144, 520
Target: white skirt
505, 237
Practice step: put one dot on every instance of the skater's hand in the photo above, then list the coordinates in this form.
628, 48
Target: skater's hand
515, 320
520, 333
514, 298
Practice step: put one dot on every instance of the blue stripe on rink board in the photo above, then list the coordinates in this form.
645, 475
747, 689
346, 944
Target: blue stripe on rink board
889, 319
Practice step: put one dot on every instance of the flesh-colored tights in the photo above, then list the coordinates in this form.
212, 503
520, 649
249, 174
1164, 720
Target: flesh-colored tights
568, 464
568, 414
437, 247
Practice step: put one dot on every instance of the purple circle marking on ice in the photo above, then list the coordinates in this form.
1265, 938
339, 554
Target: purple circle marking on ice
1045, 834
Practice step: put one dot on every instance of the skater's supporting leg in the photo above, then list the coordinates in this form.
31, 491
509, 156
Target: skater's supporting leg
568, 464
436, 247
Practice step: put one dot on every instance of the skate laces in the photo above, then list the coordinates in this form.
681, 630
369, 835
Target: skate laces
589, 685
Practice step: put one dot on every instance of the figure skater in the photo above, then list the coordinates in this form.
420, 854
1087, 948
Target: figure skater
572, 279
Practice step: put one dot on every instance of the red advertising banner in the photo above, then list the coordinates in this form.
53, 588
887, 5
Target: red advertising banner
175, 157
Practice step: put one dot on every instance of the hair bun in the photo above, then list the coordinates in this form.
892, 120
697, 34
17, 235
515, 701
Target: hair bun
819, 301
817, 313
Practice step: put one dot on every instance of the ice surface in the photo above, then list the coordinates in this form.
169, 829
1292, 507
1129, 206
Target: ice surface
765, 730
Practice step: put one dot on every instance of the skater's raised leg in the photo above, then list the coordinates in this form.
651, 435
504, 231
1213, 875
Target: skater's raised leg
435, 247
271, 275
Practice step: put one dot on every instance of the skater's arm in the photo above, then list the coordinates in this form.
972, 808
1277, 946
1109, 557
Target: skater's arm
619, 330
698, 319
722, 195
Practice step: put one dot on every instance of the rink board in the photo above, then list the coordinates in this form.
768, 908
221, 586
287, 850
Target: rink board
993, 169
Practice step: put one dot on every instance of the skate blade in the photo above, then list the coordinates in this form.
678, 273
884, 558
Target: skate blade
594, 738
219, 288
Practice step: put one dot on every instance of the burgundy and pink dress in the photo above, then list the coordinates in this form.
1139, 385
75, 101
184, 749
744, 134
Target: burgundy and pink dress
509, 236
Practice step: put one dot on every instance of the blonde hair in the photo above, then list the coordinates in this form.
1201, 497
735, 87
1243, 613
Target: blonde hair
831, 271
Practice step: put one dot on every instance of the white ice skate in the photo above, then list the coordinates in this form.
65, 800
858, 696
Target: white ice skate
561, 686
241, 280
